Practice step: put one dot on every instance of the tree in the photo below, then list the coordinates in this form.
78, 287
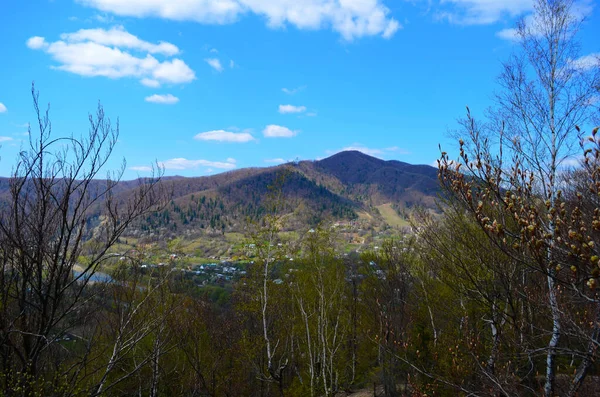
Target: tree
514, 159
135, 331
319, 288
494, 298
270, 251
45, 233
386, 290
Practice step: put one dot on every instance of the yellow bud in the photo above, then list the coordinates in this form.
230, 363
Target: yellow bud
591, 283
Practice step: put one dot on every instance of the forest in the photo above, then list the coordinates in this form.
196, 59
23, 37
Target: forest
495, 294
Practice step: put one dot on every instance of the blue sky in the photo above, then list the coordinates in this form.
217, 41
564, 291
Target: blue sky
205, 86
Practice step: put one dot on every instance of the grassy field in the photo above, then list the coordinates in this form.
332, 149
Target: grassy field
391, 217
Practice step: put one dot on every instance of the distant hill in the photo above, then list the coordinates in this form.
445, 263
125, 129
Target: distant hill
383, 181
346, 186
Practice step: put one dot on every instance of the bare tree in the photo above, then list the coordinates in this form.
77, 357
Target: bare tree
546, 93
270, 250
541, 110
142, 307
319, 289
45, 233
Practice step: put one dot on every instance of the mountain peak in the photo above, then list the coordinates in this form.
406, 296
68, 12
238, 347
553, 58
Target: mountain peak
355, 155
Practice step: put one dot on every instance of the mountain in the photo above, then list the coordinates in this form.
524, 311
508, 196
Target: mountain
384, 181
346, 186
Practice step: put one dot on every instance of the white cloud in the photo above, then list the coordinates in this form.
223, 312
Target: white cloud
572, 162
510, 34
2, 108
224, 136
5, 139
98, 52
285, 109
587, 62
215, 64
231, 160
364, 149
185, 164
390, 29
533, 23
174, 71
480, 12
278, 131
275, 161
350, 18
117, 36
167, 99
292, 91
237, 129
231, 64
181, 163
36, 43
141, 168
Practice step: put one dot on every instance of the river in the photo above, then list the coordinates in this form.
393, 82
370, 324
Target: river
97, 277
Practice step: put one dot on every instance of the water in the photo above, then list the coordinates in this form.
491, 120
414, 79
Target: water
97, 277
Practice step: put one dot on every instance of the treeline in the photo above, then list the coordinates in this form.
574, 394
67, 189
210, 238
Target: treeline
234, 207
205, 213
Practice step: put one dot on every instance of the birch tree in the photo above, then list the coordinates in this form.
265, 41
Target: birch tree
320, 293
270, 250
515, 157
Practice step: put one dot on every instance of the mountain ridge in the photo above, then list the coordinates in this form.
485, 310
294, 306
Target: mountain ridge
345, 186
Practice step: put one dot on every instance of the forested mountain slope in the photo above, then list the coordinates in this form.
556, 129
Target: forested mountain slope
341, 187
